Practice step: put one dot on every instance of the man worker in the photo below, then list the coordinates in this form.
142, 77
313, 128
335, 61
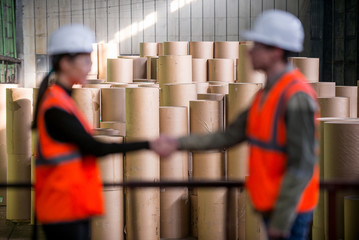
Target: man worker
283, 181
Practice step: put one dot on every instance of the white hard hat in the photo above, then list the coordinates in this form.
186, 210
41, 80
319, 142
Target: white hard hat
277, 28
74, 38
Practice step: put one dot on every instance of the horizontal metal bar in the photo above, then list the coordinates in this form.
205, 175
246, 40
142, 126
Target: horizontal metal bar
10, 59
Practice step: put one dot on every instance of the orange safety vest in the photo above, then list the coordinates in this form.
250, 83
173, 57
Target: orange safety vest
67, 184
267, 134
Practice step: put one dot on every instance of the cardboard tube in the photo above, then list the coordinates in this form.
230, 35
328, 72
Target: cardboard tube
179, 94
219, 88
340, 157
88, 100
226, 50
334, 107
242, 199
120, 70
174, 69
148, 49
194, 215
255, 228
350, 92
245, 71
208, 165
105, 51
152, 67
113, 104
202, 87
220, 70
199, 70
204, 116
160, 49
308, 66
202, 50
351, 217
120, 126
3, 161
139, 66
175, 48
221, 99
324, 89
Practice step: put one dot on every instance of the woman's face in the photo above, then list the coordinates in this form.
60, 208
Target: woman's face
76, 69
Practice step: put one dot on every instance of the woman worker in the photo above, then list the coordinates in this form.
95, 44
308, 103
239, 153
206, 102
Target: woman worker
68, 189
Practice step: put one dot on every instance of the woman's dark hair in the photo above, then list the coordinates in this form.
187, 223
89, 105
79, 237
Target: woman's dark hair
55, 61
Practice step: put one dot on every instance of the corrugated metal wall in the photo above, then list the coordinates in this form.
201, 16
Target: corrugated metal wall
129, 22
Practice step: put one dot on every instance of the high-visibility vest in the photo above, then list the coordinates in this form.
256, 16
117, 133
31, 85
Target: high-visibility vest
67, 184
267, 134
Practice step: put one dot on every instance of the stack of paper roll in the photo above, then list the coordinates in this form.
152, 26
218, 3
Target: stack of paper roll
221, 99
139, 66
142, 204
340, 157
245, 71
308, 66
202, 87
351, 217
218, 87
151, 67
110, 226
324, 89
88, 100
220, 70
350, 92
148, 49
18, 146
113, 104
179, 94
205, 118
239, 99
174, 69
199, 70
334, 107
3, 161
227, 50
174, 201
105, 51
93, 74
120, 70
117, 125
202, 50
175, 48
160, 49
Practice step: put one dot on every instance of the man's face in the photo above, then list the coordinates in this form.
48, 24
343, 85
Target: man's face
262, 56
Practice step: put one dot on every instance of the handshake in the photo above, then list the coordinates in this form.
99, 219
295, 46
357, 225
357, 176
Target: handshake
164, 145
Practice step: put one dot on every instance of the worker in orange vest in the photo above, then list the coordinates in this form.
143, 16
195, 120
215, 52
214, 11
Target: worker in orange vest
68, 188
280, 125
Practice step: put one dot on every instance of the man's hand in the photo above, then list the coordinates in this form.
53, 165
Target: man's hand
164, 145
276, 234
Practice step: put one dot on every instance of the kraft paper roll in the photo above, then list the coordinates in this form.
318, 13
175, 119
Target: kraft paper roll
110, 225
221, 99
151, 67
208, 165
105, 51
160, 49
219, 88
202, 50
351, 217
194, 215
88, 100
124, 85
199, 70
113, 104
226, 50
334, 107
139, 66
202, 87
3, 161
204, 116
120, 126
144, 81
324, 89
245, 71
255, 228
174, 69
350, 92
148, 49
242, 198
340, 157
175, 48
150, 85
94, 60
99, 85
179, 94
120, 70
220, 70
308, 66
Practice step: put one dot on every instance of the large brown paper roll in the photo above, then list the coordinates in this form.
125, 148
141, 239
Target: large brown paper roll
124, 85
340, 157
100, 85
105, 51
194, 215
144, 81
199, 70
174, 202
113, 104
139, 66
221, 99
324, 89
255, 228
202, 87
350, 92
175, 48
94, 60
351, 217
119, 70
88, 100
204, 116
149, 85
174, 69
220, 70
3, 161
152, 67
202, 50
245, 71
160, 49
308, 66
208, 165
120, 126
148, 49
179, 94
218, 87
226, 50
334, 107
